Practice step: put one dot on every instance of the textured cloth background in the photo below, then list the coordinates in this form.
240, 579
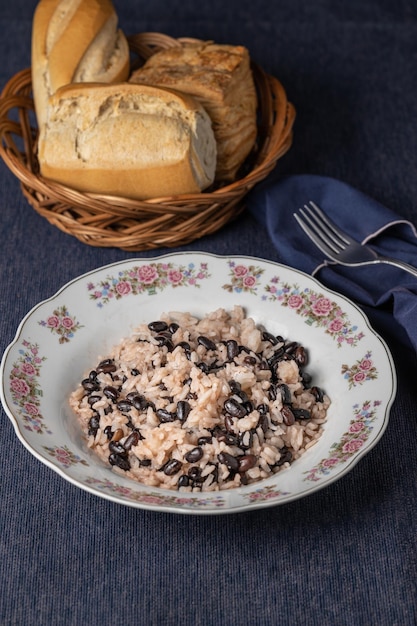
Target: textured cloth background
345, 556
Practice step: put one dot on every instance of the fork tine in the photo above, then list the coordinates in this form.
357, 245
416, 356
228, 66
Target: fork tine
323, 221
315, 235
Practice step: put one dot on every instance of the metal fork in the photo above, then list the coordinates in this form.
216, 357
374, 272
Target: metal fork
337, 245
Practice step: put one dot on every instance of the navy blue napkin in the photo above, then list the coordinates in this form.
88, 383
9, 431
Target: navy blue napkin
387, 295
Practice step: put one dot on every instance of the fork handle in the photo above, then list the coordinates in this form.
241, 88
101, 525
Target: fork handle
404, 266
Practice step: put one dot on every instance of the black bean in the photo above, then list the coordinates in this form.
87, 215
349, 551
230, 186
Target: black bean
203, 367
246, 462
306, 379
285, 393
195, 474
183, 410
164, 340
111, 393
120, 461
108, 432
172, 467
316, 391
272, 392
290, 347
228, 422
93, 425
93, 399
117, 448
231, 462
207, 343
215, 472
234, 385
202, 441
232, 349
286, 457
183, 481
164, 416
262, 409
173, 327
276, 357
242, 395
118, 434
186, 347
194, 455
216, 366
266, 336
231, 440
138, 401
287, 415
302, 414
223, 435
107, 366
234, 408
145, 462
301, 356
263, 422
134, 372
132, 440
158, 326
219, 433
124, 406
247, 404
90, 385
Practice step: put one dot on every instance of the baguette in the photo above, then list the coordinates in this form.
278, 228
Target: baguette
127, 140
75, 41
220, 77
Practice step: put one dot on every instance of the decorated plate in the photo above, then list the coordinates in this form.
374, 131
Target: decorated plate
61, 337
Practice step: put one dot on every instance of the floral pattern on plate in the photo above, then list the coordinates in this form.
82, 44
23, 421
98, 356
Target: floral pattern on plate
361, 371
264, 494
148, 278
25, 388
64, 455
62, 324
316, 308
351, 442
154, 498
243, 278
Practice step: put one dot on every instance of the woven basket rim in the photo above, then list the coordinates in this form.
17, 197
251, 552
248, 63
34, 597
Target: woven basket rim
115, 221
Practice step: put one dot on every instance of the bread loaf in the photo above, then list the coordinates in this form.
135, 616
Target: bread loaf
75, 41
127, 140
220, 77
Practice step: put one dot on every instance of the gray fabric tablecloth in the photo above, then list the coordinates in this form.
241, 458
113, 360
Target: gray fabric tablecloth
345, 555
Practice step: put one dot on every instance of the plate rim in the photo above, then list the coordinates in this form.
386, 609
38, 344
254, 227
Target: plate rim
248, 506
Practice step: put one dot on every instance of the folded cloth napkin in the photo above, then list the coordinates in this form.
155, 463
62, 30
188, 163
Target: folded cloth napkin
387, 294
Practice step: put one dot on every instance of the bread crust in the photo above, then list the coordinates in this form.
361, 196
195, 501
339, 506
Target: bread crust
219, 76
130, 140
63, 34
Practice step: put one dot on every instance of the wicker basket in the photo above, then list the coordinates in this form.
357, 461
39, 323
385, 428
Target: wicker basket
128, 224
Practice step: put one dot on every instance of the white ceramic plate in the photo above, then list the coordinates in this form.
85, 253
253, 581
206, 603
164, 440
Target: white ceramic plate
61, 337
